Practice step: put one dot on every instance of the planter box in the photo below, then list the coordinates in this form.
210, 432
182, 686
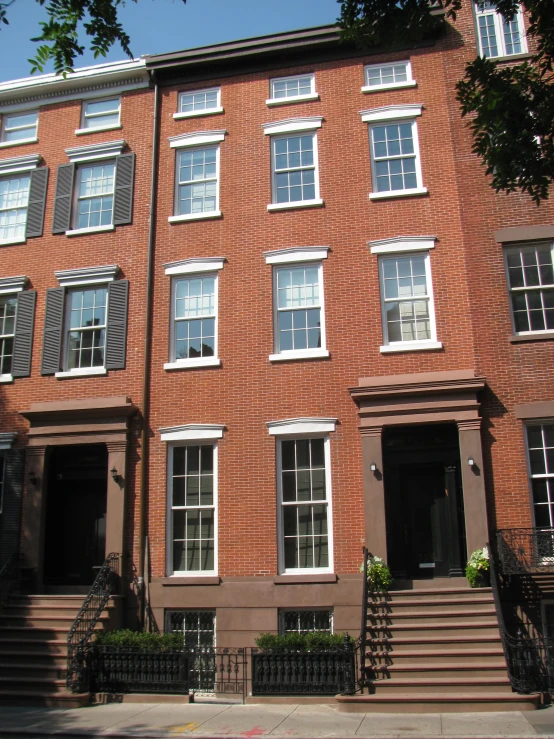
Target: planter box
134, 670
325, 672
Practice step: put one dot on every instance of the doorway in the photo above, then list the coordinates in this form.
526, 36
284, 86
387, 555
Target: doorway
424, 501
75, 536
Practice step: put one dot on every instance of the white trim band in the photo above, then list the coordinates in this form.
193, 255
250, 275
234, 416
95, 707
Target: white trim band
195, 363
190, 266
295, 355
19, 164
411, 346
87, 275
402, 243
295, 426
92, 152
196, 113
7, 438
90, 230
296, 254
292, 125
12, 284
391, 113
81, 372
193, 432
271, 102
197, 138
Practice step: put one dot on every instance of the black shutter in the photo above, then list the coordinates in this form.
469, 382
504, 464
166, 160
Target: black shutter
23, 341
10, 527
63, 199
123, 196
116, 339
53, 327
37, 202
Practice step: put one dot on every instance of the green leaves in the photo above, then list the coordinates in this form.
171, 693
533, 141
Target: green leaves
297, 642
141, 639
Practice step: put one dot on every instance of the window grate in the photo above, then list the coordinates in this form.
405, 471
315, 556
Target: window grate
306, 622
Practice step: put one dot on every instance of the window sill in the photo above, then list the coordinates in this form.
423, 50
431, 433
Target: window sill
185, 364
300, 354
87, 372
7, 144
100, 129
4, 379
297, 204
273, 102
536, 336
9, 242
93, 230
302, 578
511, 57
195, 216
196, 113
398, 193
411, 346
196, 579
397, 86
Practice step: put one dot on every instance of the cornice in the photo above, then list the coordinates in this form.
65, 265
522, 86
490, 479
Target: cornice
12, 284
87, 275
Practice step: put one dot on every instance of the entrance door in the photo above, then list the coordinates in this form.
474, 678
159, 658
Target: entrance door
75, 541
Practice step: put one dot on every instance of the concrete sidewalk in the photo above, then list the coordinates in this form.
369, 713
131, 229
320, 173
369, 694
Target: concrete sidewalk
211, 719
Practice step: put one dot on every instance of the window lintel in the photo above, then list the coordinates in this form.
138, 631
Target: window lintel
19, 164
7, 439
193, 432
91, 152
292, 125
391, 113
87, 275
295, 426
12, 284
190, 266
197, 138
401, 244
296, 254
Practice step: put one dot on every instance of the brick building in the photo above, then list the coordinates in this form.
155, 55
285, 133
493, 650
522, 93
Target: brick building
348, 331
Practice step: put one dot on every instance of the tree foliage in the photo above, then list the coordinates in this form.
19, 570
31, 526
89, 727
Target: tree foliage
510, 107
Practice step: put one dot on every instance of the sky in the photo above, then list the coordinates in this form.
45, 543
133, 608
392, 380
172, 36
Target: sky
158, 26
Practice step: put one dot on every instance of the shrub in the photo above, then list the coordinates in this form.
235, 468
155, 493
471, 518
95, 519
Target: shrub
379, 577
477, 568
144, 640
297, 642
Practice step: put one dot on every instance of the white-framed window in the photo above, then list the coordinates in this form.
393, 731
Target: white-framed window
294, 89
540, 452
498, 37
101, 114
530, 270
8, 310
197, 181
199, 102
94, 195
388, 76
198, 628
85, 322
18, 128
193, 480
305, 621
14, 202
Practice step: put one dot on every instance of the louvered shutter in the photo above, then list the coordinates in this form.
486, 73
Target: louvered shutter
123, 197
37, 202
53, 327
116, 340
63, 199
10, 527
23, 341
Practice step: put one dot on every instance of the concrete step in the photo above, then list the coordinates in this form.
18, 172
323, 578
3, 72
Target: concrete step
55, 699
437, 656
451, 629
70, 601
44, 611
432, 593
440, 685
32, 669
450, 669
27, 643
40, 632
434, 642
35, 657
442, 703
406, 605
430, 616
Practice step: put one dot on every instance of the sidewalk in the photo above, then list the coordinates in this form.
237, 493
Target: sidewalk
231, 720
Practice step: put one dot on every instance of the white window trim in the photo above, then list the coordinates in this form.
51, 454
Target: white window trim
191, 266
197, 138
19, 164
193, 432
294, 355
83, 129
314, 202
10, 114
296, 254
328, 500
90, 230
411, 346
204, 143
169, 522
12, 284
402, 243
292, 125
391, 113
4, 380
410, 82
87, 275
194, 113
296, 427
273, 101
196, 362
93, 152
517, 246
297, 204
7, 439
530, 476
197, 216
8, 144
499, 32
76, 201
80, 372
99, 129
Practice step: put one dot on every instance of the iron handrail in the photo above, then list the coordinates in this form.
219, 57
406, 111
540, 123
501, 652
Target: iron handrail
521, 551
362, 640
10, 578
80, 634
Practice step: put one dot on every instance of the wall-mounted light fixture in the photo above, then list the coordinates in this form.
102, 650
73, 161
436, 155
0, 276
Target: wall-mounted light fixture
114, 474
372, 466
33, 479
471, 461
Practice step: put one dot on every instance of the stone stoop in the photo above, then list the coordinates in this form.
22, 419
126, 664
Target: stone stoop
435, 650
33, 649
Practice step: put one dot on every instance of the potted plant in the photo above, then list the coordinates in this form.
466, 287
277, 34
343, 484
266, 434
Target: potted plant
379, 577
478, 568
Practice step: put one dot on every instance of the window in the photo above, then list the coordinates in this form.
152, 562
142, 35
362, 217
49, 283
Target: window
17, 128
86, 328
17, 317
14, 201
198, 627
388, 76
199, 102
197, 177
102, 114
95, 195
192, 504
292, 89
304, 503
531, 285
305, 622
540, 447
8, 306
496, 35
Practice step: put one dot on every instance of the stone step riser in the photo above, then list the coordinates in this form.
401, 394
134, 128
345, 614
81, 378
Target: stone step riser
433, 594
404, 631
384, 687
35, 645
32, 671
430, 618
398, 609
435, 659
34, 686
42, 622
35, 658
477, 672
436, 645
57, 613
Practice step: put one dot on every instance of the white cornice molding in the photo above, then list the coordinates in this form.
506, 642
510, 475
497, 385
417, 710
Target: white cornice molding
391, 113
12, 284
193, 432
20, 164
402, 243
7, 439
88, 153
296, 254
87, 275
190, 266
197, 138
292, 125
294, 426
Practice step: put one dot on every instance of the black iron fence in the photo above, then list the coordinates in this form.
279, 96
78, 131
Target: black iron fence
133, 670
523, 551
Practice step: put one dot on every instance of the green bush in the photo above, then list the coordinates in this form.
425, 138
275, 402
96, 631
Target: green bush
144, 640
379, 577
477, 568
296, 642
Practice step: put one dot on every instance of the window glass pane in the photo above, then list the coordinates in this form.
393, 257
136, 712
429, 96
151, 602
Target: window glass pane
19, 127
14, 198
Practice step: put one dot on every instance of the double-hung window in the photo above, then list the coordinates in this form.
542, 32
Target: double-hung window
85, 340
540, 449
530, 271
22, 198
407, 306
17, 316
394, 148
14, 200
100, 115
8, 307
498, 36
199, 102
299, 325
394, 75
294, 163
18, 128
94, 195
295, 89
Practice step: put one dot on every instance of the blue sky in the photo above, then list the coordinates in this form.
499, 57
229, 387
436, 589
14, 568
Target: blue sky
157, 26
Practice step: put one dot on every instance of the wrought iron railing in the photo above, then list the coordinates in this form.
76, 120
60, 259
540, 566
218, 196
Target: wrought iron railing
10, 578
362, 639
104, 586
116, 669
522, 551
